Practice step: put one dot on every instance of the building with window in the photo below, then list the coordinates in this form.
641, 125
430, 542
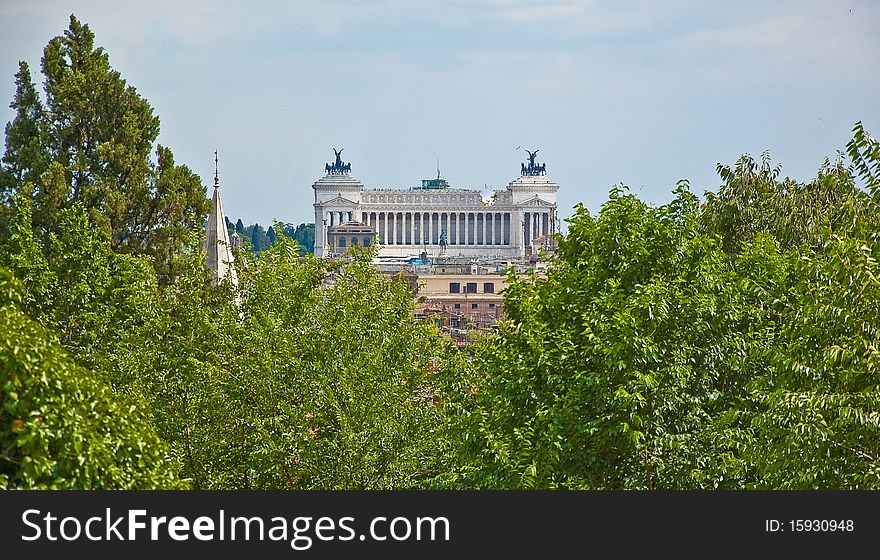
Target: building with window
461, 301
340, 238
435, 217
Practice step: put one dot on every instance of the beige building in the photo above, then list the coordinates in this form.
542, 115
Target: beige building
342, 237
461, 301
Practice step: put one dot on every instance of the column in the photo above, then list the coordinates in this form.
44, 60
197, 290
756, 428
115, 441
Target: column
486, 228
401, 239
453, 226
490, 228
462, 228
392, 233
426, 239
479, 225
417, 227
487, 221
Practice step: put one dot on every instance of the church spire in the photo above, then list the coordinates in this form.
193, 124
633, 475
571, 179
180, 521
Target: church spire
220, 260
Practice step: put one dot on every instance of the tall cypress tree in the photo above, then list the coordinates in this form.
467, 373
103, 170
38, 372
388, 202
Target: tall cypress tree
26, 156
258, 237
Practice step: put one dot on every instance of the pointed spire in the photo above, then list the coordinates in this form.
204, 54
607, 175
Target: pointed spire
220, 260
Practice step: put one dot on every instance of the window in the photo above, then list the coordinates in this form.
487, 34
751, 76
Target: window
491, 306
354, 241
471, 287
458, 306
366, 241
489, 287
341, 242
454, 288
473, 306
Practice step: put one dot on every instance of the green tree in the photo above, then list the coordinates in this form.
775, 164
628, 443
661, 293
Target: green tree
305, 378
60, 425
614, 370
25, 158
76, 286
270, 236
753, 200
816, 401
303, 234
92, 145
258, 238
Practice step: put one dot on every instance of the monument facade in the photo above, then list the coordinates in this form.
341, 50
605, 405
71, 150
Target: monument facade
436, 218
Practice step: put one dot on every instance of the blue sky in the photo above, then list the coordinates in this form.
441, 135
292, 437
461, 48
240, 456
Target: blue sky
636, 92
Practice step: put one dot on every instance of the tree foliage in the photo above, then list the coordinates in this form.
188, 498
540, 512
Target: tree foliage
259, 238
611, 371
91, 144
60, 425
732, 345
316, 378
754, 200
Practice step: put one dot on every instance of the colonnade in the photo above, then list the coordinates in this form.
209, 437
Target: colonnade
535, 225
462, 228
335, 218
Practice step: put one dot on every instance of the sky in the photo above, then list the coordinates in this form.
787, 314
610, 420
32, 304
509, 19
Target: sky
643, 93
